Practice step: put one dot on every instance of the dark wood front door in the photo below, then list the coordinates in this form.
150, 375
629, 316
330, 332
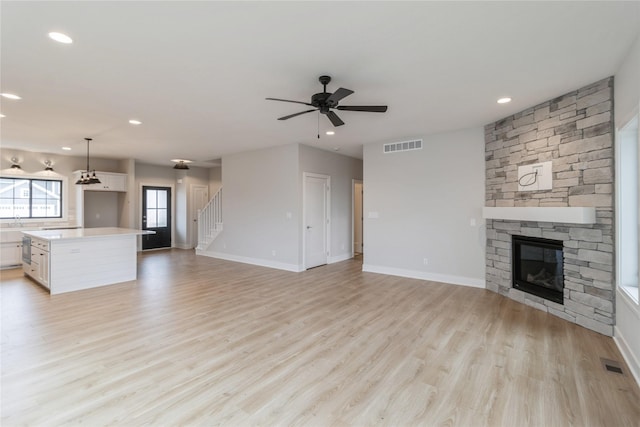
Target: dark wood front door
156, 216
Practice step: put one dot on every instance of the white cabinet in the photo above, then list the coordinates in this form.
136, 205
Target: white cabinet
43, 268
40, 265
109, 181
10, 254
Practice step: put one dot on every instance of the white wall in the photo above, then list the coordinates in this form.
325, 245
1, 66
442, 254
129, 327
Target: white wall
342, 170
260, 188
627, 103
127, 201
215, 180
425, 201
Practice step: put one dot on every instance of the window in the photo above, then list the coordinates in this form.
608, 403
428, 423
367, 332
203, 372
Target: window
30, 198
627, 208
157, 208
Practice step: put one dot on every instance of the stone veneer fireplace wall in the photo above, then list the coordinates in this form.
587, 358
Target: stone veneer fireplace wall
575, 132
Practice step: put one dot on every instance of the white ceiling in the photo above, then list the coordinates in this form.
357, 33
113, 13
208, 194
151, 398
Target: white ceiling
196, 73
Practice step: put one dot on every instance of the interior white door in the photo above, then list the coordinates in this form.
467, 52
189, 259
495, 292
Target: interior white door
199, 199
315, 220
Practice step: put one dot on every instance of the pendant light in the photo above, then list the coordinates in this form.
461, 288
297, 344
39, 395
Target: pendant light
87, 177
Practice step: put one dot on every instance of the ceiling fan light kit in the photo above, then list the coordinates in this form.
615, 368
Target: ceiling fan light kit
181, 165
325, 102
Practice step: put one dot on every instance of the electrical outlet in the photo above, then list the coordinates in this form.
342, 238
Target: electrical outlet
472, 222
273, 253
426, 261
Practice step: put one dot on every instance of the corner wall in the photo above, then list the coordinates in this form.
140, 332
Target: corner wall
575, 133
421, 205
261, 188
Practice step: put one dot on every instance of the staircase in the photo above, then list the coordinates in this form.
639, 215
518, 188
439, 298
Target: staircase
210, 222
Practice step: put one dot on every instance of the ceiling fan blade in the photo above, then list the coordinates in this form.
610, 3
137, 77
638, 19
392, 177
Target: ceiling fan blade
287, 100
296, 114
334, 119
368, 108
338, 95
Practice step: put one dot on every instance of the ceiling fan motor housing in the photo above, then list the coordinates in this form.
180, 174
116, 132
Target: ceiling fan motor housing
319, 100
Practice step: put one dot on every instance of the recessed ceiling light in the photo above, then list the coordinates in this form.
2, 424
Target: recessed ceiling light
59, 37
336, 148
135, 122
10, 96
66, 148
330, 132
504, 100
2, 115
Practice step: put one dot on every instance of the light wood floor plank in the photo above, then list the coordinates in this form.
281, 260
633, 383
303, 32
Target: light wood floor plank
199, 341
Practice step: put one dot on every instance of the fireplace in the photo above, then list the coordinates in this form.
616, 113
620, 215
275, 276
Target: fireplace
537, 266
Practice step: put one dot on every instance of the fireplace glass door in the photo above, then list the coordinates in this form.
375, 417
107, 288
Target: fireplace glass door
538, 267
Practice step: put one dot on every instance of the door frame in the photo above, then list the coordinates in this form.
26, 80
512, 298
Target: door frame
193, 212
353, 213
327, 237
173, 210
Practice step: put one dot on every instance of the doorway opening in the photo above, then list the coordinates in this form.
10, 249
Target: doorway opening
199, 199
358, 219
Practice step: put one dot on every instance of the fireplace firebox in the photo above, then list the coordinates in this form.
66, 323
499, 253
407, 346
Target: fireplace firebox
537, 266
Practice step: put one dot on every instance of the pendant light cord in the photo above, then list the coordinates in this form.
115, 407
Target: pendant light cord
88, 140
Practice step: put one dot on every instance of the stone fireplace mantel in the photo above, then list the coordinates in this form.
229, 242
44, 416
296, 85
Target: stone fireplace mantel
567, 215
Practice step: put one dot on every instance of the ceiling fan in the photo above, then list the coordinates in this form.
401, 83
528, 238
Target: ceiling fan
326, 101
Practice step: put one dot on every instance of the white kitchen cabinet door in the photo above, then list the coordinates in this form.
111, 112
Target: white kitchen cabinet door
43, 271
118, 182
10, 254
109, 181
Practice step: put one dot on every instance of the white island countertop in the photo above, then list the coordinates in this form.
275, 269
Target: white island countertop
82, 233
84, 258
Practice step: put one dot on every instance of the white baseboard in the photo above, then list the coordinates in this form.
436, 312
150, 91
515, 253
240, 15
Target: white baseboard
627, 354
182, 246
423, 275
253, 261
339, 258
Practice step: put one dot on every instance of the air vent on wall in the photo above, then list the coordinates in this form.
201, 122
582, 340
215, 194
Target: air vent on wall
394, 147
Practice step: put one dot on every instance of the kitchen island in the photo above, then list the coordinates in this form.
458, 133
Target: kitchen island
71, 260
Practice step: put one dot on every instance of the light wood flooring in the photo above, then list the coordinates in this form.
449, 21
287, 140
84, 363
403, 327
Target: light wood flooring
199, 341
